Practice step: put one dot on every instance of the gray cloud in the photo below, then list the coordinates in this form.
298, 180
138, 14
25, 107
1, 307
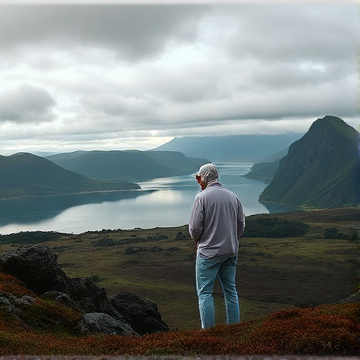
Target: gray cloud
282, 32
25, 104
131, 31
105, 72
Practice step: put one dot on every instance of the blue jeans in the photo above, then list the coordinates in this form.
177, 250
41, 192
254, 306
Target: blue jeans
207, 270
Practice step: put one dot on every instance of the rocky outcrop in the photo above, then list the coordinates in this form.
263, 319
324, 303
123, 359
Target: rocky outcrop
142, 314
100, 323
126, 314
62, 299
37, 267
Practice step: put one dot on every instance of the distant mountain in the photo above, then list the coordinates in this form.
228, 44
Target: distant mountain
321, 170
251, 148
264, 171
132, 165
25, 174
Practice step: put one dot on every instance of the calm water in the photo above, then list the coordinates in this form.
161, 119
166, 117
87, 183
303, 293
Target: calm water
161, 203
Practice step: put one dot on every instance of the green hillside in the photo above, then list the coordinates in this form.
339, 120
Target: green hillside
264, 171
321, 170
25, 174
127, 165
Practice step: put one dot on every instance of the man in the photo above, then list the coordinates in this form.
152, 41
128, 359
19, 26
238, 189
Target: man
216, 224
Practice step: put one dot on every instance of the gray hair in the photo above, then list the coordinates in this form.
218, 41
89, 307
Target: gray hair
208, 172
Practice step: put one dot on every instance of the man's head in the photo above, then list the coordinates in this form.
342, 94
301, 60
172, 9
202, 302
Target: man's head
207, 173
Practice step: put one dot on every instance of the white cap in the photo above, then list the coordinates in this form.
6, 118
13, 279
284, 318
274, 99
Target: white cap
208, 172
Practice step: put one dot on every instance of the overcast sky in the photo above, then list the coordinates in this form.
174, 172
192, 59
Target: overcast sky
119, 76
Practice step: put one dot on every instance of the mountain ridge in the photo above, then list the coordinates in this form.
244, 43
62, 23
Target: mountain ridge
250, 148
128, 165
25, 174
320, 170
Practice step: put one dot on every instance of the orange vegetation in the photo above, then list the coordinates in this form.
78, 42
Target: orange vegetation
44, 328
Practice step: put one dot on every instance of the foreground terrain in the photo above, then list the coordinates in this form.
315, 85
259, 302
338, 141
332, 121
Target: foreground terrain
158, 264
282, 282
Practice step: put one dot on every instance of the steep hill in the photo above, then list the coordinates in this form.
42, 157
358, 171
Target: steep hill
264, 171
127, 165
322, 169
25, 174
252, 148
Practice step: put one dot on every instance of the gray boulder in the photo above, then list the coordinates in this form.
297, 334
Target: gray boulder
37, 267
61, 298
141, 313
100, 323
90, 297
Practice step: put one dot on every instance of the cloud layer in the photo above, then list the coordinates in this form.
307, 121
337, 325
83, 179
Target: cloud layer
132, 76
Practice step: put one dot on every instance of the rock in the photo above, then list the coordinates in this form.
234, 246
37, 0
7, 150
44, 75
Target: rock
7, 301
37, 267
100, 323
91, 298
354, 298
61, 298
25, 300
141, 314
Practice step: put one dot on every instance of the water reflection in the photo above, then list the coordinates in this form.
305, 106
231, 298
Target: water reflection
161, 203
37, 209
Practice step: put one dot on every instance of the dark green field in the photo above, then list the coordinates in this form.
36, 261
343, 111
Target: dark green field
273, 273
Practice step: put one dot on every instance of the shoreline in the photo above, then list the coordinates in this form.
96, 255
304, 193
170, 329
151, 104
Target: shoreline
73, 194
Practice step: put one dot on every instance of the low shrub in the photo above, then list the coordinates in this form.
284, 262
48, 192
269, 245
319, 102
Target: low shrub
325, 330
267, 227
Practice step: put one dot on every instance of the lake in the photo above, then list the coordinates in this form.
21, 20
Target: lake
163, 202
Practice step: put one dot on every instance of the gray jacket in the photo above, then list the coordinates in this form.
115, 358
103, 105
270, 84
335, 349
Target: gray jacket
217, 221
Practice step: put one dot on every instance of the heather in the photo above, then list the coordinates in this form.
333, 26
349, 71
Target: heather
45, 327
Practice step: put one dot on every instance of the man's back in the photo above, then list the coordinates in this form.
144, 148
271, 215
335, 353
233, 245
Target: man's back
218, 220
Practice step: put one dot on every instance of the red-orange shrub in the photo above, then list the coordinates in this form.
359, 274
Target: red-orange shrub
307, 331
12, 285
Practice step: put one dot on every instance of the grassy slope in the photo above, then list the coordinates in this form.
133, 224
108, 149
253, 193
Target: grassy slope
25, 174
273, 274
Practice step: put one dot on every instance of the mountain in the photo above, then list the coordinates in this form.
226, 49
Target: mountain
264, 171
251, 148
321, 170
25, 174
132, 165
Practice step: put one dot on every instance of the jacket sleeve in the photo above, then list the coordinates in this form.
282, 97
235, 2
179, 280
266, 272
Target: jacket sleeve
240, 221
196, 223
